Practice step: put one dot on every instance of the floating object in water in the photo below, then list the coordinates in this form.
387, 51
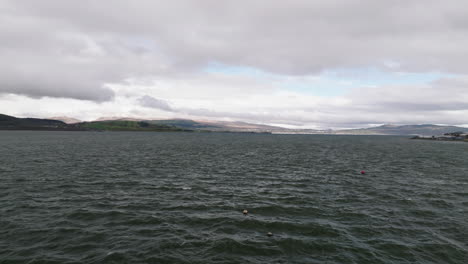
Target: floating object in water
245, 212
269, 234
363, 172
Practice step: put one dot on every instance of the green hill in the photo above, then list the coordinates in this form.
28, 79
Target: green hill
118, 125
185, 124
14, 123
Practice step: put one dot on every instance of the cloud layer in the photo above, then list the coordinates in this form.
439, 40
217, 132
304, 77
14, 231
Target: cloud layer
150, 58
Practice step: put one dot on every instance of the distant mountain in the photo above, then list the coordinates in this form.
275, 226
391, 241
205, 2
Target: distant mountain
184, 123
244, 126
117, 118
217, 125
422, 130
119, 125
66, 119
133, 124
13, 123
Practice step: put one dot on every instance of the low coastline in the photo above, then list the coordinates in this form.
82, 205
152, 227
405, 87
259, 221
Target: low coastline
456, 136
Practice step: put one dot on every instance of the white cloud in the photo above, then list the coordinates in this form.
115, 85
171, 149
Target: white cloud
151, 102
89, 59
441, 102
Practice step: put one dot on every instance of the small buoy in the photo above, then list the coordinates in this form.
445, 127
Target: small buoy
245, 212
269, 234
363, 172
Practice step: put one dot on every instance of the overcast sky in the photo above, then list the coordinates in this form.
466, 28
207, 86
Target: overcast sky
295, 63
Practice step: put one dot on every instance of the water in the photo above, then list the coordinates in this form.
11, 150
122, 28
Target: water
130, 197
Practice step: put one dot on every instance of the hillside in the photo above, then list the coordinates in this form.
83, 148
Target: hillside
117, 125
14, 123
68, 120
176, 125
185, 124
218, 126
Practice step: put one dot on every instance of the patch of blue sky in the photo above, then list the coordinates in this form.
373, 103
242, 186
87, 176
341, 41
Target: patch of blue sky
311, 84
375, 77
331, 82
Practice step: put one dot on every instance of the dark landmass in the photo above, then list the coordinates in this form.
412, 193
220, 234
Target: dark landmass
184, 123
195, 125
454, 136
176, 125
173, 125
127, 126
218, 126
65, 119
13, 123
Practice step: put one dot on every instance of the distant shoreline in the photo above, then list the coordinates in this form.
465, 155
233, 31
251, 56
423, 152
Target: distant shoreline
442, 138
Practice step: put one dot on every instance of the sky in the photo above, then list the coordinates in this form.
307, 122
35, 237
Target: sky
297, 63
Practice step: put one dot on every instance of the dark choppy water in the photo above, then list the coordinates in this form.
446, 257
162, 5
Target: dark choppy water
83, 197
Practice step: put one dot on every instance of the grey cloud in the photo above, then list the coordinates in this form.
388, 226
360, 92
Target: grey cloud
220, 114
43, 56
293, 37
445, 94
151, 102
419, 107
443, 101
74, 48
36, 80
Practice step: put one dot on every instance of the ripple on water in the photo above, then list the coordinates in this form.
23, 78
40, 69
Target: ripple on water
178, 198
